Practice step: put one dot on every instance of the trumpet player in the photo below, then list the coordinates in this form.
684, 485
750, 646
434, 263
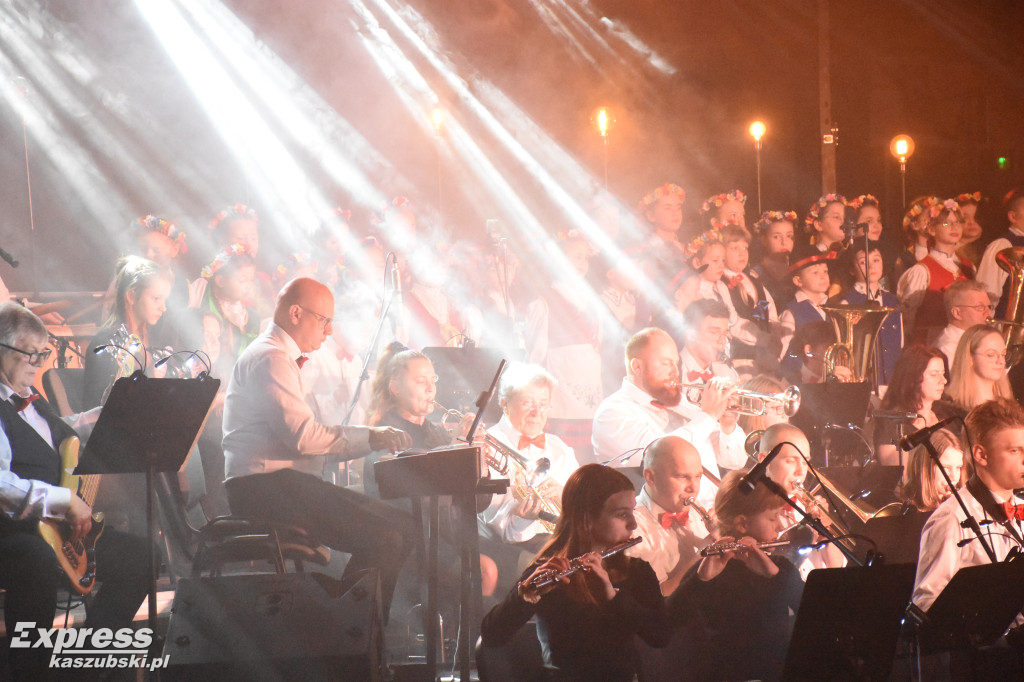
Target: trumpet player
673, 529
646, 407
544, 465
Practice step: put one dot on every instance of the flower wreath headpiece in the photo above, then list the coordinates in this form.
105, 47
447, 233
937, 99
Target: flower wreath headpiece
968, 198
294, 260
700, 240
768, 218
223, 258
233, 212
936, 209
719, 199
343, 213
652, 198
863, 200
164, 227
399, 202
917, 209
814, 212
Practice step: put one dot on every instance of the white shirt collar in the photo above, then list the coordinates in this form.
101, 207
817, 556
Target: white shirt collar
286, 340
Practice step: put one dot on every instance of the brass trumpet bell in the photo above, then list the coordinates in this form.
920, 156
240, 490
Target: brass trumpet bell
856, 330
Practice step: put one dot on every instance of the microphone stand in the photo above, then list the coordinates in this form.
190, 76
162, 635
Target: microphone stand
970, 521
368, 355
811, 521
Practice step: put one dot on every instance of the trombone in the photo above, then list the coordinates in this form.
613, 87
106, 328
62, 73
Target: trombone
750, 402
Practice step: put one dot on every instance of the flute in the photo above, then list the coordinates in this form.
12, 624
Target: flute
551, 577
719, 548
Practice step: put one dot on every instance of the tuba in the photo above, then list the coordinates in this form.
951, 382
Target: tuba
1012, 261
856, 330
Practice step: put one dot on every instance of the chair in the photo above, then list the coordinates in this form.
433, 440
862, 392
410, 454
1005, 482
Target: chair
63, 389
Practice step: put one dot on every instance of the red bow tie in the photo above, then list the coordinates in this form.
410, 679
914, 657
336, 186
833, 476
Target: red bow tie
703, 376
301, 360
1014, 512
20, 403
735, 280
536, 440
667, 518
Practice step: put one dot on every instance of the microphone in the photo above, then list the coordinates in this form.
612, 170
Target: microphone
11, 260
749, 481
908, 443
396, 282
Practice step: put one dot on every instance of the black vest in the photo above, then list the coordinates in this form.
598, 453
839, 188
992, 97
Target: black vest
32, 457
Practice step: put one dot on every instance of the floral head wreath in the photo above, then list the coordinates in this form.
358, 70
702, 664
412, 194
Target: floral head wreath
768, 218
700, 240
663, 191
166, 228
863, 200
968, 198
296, 260
719, 200
223, 258
233, 212
917, 209
343, 213
403, 203
814, 212
936, 209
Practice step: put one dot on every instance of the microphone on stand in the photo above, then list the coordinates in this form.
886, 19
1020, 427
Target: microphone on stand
911, 441
396, 282
749, 481
11, 260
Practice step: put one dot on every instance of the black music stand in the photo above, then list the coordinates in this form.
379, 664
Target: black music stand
460, 374
148, 426
848, 623
875, 484
831, 402
975, 608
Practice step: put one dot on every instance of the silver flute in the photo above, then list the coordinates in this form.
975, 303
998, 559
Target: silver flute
551, 577
719, 548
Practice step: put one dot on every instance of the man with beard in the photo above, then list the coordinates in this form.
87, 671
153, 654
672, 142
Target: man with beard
646, 407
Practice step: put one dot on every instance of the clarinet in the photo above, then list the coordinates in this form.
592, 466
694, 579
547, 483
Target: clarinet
551, 577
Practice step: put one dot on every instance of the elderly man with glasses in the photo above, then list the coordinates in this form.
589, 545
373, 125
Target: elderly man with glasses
967, 303
30, 491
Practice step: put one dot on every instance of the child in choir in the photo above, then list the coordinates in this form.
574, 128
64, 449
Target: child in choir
971, 244
725, 209
808, 348
298, 264
989, 273
824, 222
230, 277
775, 231
978, 372
619, 297
493, 320
867, 217
809, 272
332, 241
924, 487
757, 326
737, 607
587, 622
921, 287
239, 224
915, 236
708, 259
867, 274
661, 254
162, 242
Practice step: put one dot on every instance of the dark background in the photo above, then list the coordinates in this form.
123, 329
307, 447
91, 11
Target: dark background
102, 92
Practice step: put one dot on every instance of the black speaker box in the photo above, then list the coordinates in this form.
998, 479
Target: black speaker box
296, 626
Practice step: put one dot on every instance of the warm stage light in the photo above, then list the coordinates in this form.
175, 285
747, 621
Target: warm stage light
603, 120
902, 147
757, 130
437, 118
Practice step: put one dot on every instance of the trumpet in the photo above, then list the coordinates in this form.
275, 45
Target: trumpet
723, 546
551, 577
505, 459
750, 402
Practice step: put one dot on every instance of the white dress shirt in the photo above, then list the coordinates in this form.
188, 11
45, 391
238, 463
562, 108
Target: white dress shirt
28, 497
626, 422
271, 423
663, 549
940, 558
989, 272
498, 519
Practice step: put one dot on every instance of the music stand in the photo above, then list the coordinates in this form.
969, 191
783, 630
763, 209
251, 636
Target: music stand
848, 623
148, 426
874, 484
831, 402
460, 374
975, 608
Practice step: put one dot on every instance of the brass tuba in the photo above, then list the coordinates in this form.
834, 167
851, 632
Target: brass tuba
1012, 261
856, 330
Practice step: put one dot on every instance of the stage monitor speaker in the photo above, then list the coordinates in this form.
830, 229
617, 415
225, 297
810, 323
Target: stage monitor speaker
296, 626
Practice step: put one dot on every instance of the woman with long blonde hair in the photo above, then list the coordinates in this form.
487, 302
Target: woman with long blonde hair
978, 373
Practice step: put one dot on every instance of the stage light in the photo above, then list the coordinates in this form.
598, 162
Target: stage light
757, 131
603, 121
902, 148
437, 118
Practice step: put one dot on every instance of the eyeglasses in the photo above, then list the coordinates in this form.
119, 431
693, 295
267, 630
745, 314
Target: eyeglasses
36, 358
993, 355
981, 307
324, 321
531, 406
